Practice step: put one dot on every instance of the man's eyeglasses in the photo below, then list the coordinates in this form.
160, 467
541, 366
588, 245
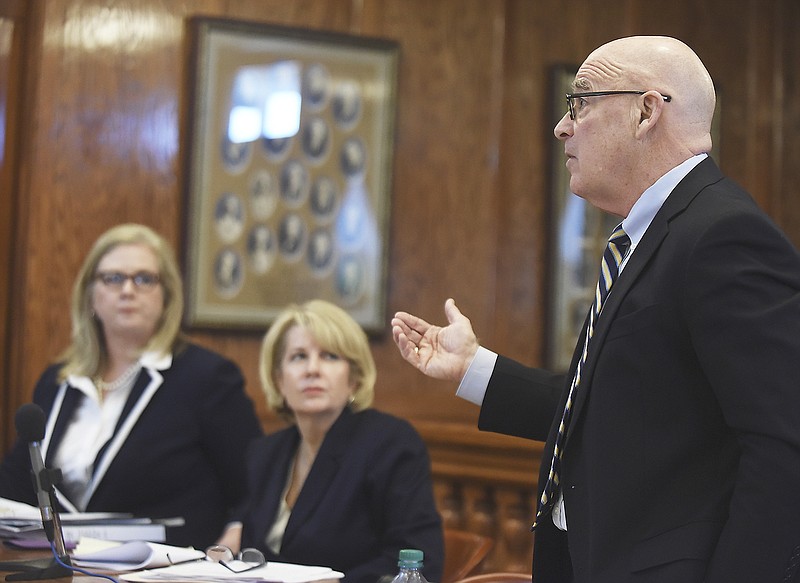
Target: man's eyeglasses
142, 280
571, 97
246, 560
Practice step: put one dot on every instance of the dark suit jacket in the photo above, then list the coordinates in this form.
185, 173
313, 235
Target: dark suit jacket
368, 495
184, 454
682, 462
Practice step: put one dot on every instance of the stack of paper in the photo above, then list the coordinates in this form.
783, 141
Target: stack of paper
11, 509
211, 572
130, 556
156, 562
21, 525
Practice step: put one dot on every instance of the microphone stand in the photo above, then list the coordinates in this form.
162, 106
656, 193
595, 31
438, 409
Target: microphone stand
50, 568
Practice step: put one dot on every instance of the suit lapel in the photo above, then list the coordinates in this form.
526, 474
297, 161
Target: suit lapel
704, 174
67, 400
146, 385
323, 472
133, 398
273, 478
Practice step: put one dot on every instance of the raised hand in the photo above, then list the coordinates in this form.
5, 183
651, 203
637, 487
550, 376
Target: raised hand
441, 353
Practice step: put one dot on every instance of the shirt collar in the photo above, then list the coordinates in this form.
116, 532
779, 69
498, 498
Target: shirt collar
645, 209
150, 360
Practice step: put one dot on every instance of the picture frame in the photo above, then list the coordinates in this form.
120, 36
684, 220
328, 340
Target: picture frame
579, 235
275, 217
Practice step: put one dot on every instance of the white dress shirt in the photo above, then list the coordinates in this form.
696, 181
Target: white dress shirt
92, 427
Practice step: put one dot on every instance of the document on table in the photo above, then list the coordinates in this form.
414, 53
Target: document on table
130, 556
211, 572
21, 515
21, 525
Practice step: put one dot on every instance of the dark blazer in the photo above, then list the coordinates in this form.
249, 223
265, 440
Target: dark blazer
177, 450
368, 495
682, 461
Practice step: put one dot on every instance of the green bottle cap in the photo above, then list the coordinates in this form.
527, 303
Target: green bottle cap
410, 557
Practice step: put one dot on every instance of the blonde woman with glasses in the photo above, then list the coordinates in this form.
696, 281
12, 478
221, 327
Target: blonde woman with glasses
138, 419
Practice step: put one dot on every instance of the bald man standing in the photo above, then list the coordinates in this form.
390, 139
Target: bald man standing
673, 442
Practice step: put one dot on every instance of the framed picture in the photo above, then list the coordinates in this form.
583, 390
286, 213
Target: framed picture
288, 172
579, 237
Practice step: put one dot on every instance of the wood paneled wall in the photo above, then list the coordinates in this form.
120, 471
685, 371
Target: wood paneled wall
94, 93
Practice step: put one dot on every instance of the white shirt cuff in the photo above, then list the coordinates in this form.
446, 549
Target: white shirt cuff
473, 386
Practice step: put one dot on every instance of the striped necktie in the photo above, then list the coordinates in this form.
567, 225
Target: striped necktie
615, 251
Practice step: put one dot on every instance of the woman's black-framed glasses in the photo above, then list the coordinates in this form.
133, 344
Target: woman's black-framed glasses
571, 97
142, 280
246, 560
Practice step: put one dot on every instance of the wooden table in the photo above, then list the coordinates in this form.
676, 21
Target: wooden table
26, 556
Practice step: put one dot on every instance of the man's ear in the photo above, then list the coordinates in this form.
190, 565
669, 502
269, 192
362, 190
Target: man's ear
650, 112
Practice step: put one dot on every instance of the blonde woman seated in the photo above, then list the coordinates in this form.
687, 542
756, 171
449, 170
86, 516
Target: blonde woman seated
139, 420
345, 486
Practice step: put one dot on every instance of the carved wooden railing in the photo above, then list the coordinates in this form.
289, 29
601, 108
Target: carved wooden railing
486, 483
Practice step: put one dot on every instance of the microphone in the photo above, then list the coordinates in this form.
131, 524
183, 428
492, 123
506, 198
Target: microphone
30, 423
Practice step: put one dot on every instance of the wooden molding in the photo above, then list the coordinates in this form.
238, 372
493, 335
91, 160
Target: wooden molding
486, 483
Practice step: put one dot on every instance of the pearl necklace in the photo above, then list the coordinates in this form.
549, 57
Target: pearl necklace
123, 380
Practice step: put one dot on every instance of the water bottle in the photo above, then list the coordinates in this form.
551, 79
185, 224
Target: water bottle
410, 563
